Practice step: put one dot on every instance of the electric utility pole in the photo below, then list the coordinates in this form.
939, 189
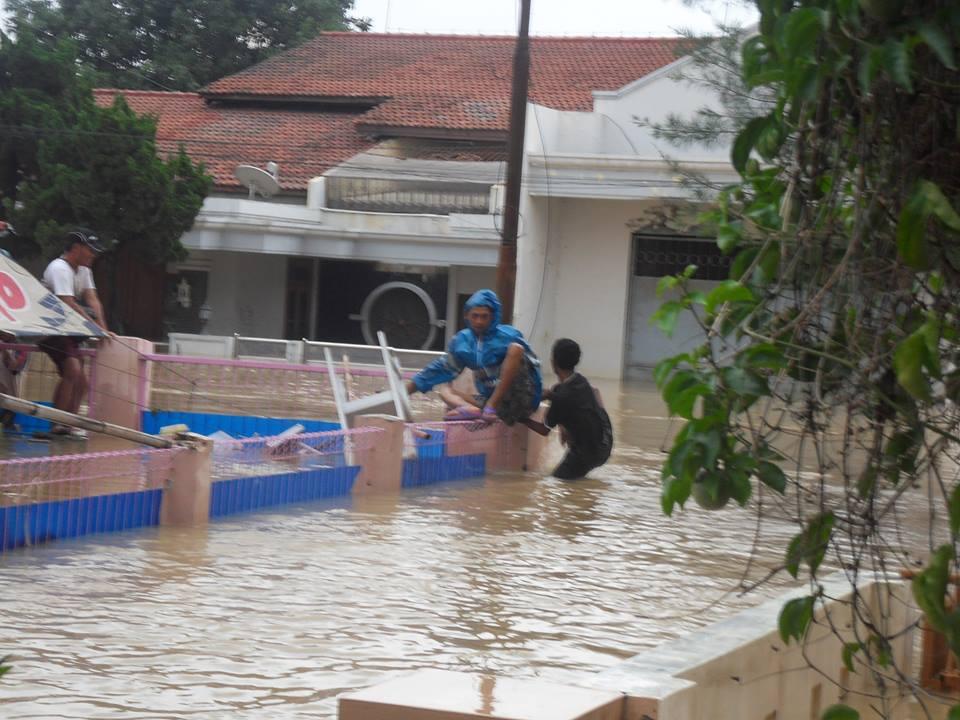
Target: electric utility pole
507, 262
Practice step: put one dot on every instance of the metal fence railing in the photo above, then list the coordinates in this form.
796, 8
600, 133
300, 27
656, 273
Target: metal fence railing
375, 195
366, 355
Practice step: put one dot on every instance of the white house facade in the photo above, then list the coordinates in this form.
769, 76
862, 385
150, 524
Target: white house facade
605, 215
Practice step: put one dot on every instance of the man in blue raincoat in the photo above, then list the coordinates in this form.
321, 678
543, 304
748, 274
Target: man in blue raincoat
506, 371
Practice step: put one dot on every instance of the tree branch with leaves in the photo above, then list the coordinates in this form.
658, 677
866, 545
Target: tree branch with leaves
828, 379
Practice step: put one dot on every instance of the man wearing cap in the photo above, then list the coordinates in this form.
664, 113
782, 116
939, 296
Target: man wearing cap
69, 278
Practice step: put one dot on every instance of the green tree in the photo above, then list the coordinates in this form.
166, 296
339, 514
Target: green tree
39, 94
64, 162
176, 45
828, 380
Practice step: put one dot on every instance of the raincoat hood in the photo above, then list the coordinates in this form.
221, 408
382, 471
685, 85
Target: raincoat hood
485, 298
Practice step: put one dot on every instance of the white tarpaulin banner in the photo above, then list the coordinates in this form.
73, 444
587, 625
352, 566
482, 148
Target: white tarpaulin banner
28, 310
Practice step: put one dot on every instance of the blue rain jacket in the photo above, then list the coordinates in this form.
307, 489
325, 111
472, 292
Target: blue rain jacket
484, 355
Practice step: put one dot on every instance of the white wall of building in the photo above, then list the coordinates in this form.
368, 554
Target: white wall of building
619, 123
586, 283
591, 181
245, 291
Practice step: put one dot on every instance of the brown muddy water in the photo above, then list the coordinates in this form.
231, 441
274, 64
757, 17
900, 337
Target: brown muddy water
273, 614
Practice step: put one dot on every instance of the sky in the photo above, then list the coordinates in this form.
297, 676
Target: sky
635, 18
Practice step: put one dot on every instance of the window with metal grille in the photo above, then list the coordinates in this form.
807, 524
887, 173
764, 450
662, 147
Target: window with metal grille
660, 255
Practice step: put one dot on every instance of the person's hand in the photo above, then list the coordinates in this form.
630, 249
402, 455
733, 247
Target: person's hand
489, 414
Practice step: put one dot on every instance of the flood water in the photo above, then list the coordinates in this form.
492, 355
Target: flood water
273, 614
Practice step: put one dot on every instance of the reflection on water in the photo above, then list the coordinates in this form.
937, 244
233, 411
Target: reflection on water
274, 614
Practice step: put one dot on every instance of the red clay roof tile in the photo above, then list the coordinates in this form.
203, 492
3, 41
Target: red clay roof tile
443, 83
304, 143
448, 81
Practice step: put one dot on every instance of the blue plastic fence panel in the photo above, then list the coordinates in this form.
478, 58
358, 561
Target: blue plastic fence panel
431, 470
22, 525
239, 426
244, 494
30, 424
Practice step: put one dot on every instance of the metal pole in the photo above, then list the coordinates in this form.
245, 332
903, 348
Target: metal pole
507, 261
25, 407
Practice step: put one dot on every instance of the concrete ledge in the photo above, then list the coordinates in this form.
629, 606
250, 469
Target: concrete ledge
444, 695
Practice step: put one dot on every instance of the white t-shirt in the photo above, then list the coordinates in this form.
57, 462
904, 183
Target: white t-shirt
61, 279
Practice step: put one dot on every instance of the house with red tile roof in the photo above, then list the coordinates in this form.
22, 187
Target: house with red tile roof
389, 153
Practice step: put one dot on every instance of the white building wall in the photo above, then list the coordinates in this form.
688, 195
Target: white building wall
651, 100
246, 293
586, 283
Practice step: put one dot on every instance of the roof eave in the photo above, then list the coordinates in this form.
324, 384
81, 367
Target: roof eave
332, 100
378, 130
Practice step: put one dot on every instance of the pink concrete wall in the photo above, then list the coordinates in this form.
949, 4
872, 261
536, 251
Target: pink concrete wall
119, 385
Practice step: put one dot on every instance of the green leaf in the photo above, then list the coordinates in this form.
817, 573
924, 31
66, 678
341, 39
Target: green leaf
746, 140
938, 205
849, 10
667, 283
675, 491
728, 291
912, 233
908, 361
739, 485
728, 237
869, 67
682, 391
802, 29
930, 587
849, 650
883, 655
666, 316
744, 382
840, 712
896, 61
938, 41
772, 476
666, 366
760, 66
953, 509
710, 441
954, 713
762, 356
926, 199
811, 544
742, 261
795, 617
768, 266
794, 553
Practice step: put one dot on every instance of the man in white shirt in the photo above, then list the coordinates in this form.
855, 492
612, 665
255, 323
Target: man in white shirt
69, 278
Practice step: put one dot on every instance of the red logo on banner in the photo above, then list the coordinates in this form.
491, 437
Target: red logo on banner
12, 296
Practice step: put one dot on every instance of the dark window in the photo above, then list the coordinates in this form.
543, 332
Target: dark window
659, 255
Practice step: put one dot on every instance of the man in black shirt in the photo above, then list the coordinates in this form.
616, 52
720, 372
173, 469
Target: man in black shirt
575, 406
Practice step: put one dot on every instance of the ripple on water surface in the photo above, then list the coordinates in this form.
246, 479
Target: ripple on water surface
274, 614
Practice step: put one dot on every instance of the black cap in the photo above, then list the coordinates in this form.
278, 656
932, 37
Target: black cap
85, 236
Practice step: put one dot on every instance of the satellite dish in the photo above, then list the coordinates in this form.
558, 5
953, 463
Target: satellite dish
257, 181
